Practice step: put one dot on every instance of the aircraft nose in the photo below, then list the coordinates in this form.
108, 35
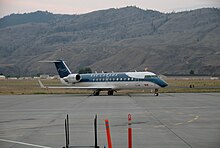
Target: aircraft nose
163, 83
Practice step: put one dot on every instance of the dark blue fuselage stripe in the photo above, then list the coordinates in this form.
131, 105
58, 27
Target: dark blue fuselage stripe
118, 77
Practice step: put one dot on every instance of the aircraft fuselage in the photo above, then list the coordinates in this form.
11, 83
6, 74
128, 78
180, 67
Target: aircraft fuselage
117, 81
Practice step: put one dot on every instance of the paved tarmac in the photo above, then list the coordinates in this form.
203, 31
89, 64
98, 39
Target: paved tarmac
181, 120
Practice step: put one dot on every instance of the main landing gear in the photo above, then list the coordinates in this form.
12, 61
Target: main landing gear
97, 92
156, 92
110, 92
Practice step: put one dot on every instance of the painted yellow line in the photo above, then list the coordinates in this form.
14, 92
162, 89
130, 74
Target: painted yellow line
159, 126
194, 119
178, 123
190, 121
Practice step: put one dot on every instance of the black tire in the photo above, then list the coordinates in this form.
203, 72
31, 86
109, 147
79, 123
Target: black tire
96, 93
110, 92
156, 92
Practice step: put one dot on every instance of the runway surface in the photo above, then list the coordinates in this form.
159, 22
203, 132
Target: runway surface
178, 120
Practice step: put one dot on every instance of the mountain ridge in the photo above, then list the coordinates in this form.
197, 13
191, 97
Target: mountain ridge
124, 39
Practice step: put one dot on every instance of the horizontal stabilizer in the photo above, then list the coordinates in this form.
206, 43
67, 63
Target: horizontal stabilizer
75, 87
61, 67
41, 84
55, 61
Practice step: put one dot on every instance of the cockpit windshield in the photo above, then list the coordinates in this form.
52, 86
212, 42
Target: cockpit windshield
150, 76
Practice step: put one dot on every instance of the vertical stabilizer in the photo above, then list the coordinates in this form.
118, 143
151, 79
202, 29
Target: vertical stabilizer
62, 69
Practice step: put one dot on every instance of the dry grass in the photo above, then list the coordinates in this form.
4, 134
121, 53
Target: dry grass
32, 87
175, 85
200, 85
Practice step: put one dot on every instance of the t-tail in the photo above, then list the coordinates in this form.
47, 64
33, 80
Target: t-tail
61, 67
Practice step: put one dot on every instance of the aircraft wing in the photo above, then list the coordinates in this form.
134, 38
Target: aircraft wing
75, 87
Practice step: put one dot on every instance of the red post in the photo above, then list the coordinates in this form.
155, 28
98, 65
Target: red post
108, 134
129, 132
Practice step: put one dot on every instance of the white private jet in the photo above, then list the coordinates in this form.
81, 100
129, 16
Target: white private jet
106, 81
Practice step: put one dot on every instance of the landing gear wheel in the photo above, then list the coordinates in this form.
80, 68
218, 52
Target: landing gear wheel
156, 92
110, 92
96, 93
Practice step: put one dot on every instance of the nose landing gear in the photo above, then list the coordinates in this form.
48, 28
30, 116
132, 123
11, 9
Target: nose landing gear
110, 92
156, 92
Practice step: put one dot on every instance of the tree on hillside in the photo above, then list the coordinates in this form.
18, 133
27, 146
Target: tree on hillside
191, 72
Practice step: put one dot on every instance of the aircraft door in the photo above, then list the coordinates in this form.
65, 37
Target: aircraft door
137, 82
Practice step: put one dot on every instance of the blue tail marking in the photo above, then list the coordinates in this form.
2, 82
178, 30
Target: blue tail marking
62, 69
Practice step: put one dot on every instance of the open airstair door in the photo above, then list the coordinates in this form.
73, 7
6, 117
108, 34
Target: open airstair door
67, 135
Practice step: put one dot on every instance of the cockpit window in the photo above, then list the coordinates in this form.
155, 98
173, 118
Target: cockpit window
150, 76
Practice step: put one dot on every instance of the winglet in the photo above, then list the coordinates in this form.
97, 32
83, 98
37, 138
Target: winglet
41, 84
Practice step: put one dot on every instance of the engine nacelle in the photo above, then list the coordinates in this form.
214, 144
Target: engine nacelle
72, 78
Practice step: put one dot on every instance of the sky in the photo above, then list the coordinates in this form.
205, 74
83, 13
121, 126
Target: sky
84, 6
